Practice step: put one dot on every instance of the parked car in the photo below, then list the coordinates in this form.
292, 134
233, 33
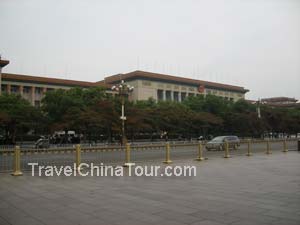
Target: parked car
218, 143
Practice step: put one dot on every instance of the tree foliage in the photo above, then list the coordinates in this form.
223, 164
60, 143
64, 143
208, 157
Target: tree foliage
93, 113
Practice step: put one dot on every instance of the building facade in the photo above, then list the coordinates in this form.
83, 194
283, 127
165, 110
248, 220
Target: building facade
33, 88
159, 87
162, 87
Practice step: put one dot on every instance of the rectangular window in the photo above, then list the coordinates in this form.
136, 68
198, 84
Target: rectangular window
183, 96
160, 95
3, 88
38, 90
176, 96
14, 89
168, 95
26, 89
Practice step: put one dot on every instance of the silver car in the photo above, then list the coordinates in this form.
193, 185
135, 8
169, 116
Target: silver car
218, 143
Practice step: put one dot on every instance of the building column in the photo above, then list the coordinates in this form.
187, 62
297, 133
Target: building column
164, 95
32, 95
44, 91
8, 89
172, 95
179, 96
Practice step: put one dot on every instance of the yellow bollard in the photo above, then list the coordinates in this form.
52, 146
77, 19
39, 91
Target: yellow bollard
168, 160
200, 152
268, 152
17, 162
285, 146
249, 148
78, 156
127, 156
226, 153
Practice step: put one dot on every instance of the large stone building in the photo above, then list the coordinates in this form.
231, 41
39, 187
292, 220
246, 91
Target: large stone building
146, 85
165, 87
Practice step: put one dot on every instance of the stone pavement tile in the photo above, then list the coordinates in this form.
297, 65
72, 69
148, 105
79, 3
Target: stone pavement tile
179, 217
216, 216
57, 221
259, 219
21, 220
207, 222
3, 221
285, 222
283, 215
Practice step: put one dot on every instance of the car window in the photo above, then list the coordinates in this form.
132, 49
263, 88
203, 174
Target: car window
218, 139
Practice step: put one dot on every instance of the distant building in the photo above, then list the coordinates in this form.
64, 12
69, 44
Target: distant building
147, 85
280, 101
277, 102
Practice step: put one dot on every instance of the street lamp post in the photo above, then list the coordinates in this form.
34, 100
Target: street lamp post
124, 90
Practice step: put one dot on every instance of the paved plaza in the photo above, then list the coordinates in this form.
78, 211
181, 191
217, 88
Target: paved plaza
262, 189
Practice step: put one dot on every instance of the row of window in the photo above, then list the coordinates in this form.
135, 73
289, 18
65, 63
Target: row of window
168, 95
26, 89
226, 93
177, 97
192, 89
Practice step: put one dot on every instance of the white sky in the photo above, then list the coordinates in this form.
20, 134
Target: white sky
252, 43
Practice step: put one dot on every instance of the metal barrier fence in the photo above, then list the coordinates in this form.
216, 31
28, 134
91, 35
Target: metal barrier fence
16, 159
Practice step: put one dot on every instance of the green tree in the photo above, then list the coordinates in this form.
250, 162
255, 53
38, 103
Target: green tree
17, 116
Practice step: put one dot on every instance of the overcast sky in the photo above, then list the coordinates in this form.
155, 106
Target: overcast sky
252, 43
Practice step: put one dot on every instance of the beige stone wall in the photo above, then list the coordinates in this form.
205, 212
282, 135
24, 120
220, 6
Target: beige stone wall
32, 92
144, 89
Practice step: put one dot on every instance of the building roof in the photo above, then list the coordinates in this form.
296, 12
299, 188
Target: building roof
45, 80
3, 62
173, 79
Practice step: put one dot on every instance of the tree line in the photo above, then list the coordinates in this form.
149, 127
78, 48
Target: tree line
96, 116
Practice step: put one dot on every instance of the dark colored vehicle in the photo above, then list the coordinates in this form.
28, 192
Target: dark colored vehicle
218, 143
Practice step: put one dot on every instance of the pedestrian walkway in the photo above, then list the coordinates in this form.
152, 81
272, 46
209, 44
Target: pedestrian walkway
262, 189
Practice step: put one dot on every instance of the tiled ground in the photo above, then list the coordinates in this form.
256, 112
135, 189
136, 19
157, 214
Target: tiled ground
263, 189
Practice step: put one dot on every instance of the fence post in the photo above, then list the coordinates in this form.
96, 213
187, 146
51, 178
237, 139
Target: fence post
200, 152
284, 146
127, 155
78, 156
268, 152
226, 154
168, 160
17, 162
249, 148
